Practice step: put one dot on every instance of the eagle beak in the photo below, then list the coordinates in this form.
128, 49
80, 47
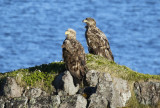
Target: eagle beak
67, 32
85, 21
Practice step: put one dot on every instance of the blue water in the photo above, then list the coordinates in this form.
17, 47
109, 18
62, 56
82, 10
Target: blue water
32, 31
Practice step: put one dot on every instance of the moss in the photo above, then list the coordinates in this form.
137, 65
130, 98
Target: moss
55, 67
39, 76
39, 79
103, 65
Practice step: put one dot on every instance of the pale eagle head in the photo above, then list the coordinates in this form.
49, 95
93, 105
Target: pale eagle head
71, 34
90, 22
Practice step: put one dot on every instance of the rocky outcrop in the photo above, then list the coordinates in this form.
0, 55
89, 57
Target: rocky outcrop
147, 92
100, 90
110, 92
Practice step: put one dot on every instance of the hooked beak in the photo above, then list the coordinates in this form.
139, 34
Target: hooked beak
67, 32
85, 21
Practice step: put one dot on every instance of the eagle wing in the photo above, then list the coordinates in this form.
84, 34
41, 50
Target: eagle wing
74, 58
98, 43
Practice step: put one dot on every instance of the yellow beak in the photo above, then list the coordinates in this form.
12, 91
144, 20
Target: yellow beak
85, 21
67, 32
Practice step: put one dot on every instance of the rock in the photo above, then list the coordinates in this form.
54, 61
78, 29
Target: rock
55, 101
110, 92
103, 93
81, 102
64, 84
147, 93
45, 102
69, 86
20, 102
2, 102
76, 101
34, 92
11, 88
92, 77
98, 101
121, 92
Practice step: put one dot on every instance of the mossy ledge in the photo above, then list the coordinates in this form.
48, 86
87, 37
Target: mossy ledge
103, 65
39, 76
42, 76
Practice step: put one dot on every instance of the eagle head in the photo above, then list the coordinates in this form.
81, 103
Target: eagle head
71, 34
90, 22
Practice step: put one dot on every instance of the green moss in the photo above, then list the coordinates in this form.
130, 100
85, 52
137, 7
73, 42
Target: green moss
39, 76
55, 67
103, 65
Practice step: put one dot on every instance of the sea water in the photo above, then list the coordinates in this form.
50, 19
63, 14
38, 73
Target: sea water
32, 31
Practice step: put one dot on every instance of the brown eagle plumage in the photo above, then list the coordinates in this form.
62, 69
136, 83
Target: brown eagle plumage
74, 56
97, 41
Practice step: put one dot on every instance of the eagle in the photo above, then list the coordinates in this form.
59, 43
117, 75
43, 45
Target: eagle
74, 56
96, 40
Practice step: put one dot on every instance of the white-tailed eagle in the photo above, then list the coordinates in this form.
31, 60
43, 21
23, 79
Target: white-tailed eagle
74, 56
96, 40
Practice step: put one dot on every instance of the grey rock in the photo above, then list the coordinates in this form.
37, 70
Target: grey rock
69, 86
75, 101
20, 102
55, 101
92, 77
34, 92
45, 102
147, 93
103, 93
121, 92
2, 102
98, 101
11, 88
64, 84
110, 92
81, 102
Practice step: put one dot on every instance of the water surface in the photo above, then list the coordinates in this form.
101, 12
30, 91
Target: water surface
32, 32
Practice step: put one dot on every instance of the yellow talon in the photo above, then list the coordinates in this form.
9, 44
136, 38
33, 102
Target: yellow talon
84, 95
